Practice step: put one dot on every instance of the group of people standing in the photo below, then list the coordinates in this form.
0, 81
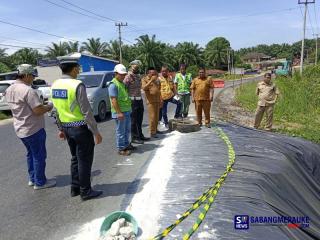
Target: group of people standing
160, 90
78, 127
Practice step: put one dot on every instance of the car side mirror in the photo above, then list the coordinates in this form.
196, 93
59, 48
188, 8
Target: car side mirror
108, 84
34, 86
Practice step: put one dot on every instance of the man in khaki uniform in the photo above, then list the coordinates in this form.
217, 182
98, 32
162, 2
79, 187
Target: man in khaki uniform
151, 87
202, 95
267, 96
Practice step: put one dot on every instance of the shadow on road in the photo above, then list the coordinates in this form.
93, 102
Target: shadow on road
117, 189
147, 147
64, 180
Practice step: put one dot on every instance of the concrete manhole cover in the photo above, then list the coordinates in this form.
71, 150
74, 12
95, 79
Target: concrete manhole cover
184, 126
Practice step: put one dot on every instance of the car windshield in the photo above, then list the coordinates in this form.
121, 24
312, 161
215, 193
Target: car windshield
39, 82
3, 87
91, 80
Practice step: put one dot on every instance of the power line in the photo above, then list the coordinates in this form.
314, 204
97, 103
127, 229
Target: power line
16, 46
72, 10
21, 41
316, 18
35, 30
93, 13
310, 21
86, 10
128, 41
217, 20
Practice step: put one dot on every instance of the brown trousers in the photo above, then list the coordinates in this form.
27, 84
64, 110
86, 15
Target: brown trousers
204, 105
153, 110
259, 115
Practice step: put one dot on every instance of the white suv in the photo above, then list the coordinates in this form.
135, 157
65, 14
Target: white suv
3, 87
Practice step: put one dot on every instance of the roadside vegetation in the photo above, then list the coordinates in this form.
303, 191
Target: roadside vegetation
297, 111
154, 53
4, 115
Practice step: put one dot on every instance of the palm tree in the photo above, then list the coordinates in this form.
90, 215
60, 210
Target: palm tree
113, 50
188, 53
25, 55
95, 47
149, 51
57, 49
169, 56
72, 47
3, 53
216, 52
5, 63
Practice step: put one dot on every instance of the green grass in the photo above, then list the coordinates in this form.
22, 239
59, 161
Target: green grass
3, 115
297, 111
228, 77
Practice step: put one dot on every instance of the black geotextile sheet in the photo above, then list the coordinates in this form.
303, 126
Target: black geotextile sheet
273, 175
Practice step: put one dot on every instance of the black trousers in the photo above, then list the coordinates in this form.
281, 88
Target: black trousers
136, 119
81, 144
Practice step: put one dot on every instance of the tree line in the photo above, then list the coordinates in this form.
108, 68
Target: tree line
154, 53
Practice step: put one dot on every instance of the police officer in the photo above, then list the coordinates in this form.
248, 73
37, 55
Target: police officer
76, 124
133, 83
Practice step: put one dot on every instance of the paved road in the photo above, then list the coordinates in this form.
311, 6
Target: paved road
28, 214
236, 83
52, 213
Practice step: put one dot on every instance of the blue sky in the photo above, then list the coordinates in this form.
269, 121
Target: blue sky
244, 23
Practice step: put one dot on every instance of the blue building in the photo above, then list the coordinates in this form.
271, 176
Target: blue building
49, 70
88, 63
91, 63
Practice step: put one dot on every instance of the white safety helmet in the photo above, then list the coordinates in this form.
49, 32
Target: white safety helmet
121, 69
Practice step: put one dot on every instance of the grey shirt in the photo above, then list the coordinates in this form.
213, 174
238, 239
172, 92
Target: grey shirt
85, 108
133, 83
21, 99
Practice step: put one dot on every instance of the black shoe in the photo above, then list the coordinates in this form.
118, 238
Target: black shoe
138, 141
154, 136
143, 138
75, 192
130, 147
92, 194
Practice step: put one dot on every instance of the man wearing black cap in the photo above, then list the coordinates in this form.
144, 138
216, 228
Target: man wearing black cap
76, 124
133, 83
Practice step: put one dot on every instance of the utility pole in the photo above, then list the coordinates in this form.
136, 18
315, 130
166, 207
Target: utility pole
305, 2
229, 59
119, 25
316, 57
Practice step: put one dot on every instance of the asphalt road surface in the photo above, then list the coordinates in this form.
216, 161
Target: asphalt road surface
29, 214
52, 213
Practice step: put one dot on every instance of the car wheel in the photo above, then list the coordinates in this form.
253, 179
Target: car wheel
102, 111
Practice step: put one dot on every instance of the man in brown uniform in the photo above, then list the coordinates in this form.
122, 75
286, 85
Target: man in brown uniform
151, 87
267, 96
168, 93
202, 95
